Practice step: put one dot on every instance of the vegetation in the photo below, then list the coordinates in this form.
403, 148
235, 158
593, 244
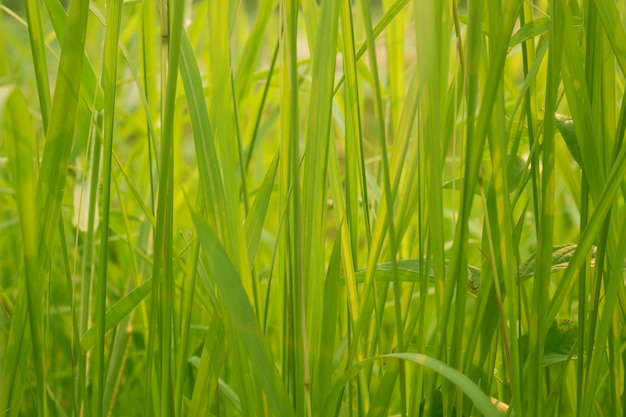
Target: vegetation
312, 208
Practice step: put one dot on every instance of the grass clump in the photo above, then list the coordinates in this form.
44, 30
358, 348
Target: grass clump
300, 208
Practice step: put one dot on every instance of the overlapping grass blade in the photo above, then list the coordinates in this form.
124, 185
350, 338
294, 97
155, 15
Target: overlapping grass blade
242, 317
59, 135
258, 211
35, 29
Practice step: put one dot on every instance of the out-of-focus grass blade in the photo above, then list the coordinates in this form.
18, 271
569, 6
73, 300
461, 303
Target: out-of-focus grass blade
314, 179
578, 99
613, 283
18, 135
38, 49
515, 173
409, 270
206, 156
613, 29
59, 136
237, 304
258, 211
354, 159
117, 312
245, 66
535, 27
211, 362
481, 401
317, 142
89, 81
322, 374
605, 185
568, 132
561, 257
395, 37
382, 24
14, 351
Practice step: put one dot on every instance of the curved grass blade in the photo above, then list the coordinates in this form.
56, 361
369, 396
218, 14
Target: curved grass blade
480, 399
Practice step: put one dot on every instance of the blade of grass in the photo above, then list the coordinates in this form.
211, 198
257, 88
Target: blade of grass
114, 17
612, 284
163, 275
481, 401
59, 135
242, 316
315, 172
393, 246
211, 361
243, 74
476, 136
291, 237
208, 163
541, 283
258, 211
354, 160
38, 49
116, 313
18, 134
394, 37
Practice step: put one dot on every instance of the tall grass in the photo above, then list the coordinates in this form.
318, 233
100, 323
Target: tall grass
302, 208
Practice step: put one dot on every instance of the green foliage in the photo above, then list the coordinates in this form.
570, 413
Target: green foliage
312, 208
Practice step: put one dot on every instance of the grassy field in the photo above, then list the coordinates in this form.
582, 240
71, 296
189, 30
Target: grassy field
312, 208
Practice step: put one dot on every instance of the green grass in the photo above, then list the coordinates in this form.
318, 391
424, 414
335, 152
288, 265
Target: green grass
312, 208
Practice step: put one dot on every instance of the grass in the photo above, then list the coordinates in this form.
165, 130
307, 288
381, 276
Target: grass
302, 208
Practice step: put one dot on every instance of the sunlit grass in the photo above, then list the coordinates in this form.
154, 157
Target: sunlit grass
312, 208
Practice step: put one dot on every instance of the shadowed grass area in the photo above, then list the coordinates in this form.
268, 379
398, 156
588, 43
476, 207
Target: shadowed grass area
312, 208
